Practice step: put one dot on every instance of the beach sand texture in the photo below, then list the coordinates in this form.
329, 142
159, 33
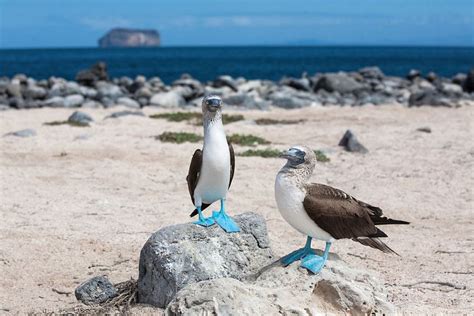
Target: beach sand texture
79, 202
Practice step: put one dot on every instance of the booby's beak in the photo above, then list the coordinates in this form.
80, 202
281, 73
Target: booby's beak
286, 154
213, 104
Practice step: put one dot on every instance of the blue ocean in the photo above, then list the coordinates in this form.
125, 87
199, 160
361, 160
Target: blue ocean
206, 63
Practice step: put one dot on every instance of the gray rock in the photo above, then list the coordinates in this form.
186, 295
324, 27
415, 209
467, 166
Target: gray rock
55, 102
459, 79
195, 87
91, 104
350, 143
124, 113
73, 101
14, 89
428, 98
431, 77
80, 118
108, 90
451, 89
128, 102
17, 102
372, 73
339, 82
302, 84
95, 291
4, 107
225, 81
179, 255
245, 100
23, 133
168, 99
34, 92
412, 74
338, 289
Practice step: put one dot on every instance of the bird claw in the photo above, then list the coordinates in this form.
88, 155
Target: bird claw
295, 256
225, 221
313, 263
205, 222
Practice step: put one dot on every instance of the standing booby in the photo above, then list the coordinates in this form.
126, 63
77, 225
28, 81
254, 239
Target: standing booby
212, 168
322, 212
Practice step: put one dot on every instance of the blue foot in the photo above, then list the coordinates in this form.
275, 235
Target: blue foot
313, 263
225, 221
206, 222
295, 256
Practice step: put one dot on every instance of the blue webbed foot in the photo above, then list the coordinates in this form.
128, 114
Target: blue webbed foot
206, 222
225, 221
313, 263
295, 256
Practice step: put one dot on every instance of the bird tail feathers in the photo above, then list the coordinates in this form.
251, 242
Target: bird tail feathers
375, 243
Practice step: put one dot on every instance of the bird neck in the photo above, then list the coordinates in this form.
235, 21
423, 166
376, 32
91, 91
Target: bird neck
213, 124
299, 175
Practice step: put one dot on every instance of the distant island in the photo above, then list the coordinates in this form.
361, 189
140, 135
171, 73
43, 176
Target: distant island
122, 37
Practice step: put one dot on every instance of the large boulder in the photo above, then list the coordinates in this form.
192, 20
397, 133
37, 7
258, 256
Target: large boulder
339, 82
177, 256
168, 99
429, 98
338, 289
371, 73
108, 91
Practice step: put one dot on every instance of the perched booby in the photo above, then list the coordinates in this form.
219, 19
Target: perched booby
322, 212
212, 168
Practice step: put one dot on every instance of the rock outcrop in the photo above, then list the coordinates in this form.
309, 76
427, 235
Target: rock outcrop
121, 37
183, 254
191, 270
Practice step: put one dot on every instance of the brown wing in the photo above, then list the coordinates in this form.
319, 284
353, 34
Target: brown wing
343, 216
194, 171
338, 213
232, 162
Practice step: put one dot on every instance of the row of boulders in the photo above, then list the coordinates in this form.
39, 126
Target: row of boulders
369, 85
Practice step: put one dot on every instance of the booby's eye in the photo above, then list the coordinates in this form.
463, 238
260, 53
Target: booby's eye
213, 102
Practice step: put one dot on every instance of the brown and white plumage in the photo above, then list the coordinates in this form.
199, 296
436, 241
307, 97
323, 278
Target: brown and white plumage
323, 212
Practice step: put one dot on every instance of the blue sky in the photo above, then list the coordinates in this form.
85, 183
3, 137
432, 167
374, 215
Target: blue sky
78, 23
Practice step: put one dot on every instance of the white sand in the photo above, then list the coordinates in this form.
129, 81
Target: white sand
79, 202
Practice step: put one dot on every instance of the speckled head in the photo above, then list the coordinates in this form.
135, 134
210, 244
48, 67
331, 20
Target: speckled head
211, 103
299, 157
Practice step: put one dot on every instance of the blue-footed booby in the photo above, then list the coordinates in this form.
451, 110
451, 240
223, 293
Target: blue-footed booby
322, 212
212, 168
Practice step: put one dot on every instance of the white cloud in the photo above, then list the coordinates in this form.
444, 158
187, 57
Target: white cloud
103, 24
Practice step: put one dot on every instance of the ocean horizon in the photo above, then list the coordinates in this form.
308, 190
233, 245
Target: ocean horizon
252, 62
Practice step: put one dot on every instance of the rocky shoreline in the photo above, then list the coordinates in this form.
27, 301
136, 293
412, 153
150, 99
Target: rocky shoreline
94, 89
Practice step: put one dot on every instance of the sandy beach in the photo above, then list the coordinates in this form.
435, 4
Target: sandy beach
79, 202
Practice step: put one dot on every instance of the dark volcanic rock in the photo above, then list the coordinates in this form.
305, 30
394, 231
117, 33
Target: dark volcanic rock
350, 143
299, 84
412, 74
339, 82
95, 291
428, 98
372, 73
122, 37
179, 255
469, 83
225, 81
90, 76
